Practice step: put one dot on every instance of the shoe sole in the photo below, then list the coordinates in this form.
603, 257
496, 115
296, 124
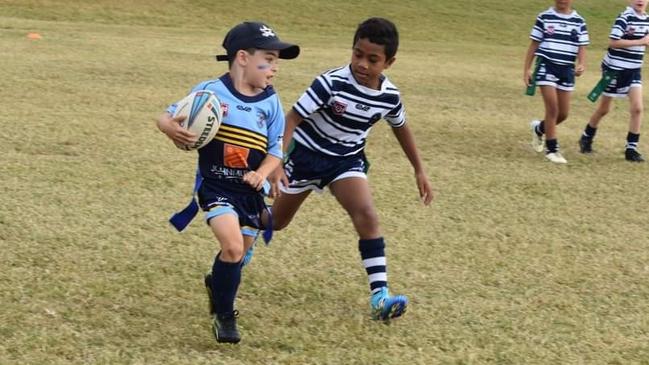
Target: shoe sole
562, 162
218, 339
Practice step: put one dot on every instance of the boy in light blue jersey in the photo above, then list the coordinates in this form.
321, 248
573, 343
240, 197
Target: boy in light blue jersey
628, 40
329, 125
559, 37
234, 165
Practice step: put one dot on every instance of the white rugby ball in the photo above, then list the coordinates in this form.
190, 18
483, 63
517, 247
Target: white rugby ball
203, 116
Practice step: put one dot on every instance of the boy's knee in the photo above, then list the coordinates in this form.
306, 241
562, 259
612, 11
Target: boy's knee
552, 113
637, 110
367, 217
232, 253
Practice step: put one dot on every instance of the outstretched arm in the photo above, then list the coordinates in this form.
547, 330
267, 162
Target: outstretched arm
407, 141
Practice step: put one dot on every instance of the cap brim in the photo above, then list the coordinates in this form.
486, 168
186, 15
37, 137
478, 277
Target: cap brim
287, 51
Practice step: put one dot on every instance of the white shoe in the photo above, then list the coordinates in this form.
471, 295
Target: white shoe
537, 141
555, 157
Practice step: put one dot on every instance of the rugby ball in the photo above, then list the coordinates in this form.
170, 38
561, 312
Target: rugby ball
203, 116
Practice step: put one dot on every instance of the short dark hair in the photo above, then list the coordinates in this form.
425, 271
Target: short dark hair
379, 31
231, 58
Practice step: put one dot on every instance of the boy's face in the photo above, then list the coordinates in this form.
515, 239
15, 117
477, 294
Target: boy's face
563, 4
638, 5
260, 67
368, 62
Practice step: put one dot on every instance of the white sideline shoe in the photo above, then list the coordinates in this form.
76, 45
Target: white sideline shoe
537, 141
555, 157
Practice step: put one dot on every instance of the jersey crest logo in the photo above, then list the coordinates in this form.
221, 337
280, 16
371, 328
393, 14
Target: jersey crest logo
224, 109
266, 32
338, 107
261, 118
550, 30
630, 30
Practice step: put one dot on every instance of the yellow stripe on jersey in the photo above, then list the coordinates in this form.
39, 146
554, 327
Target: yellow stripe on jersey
245, 132
237, 142
243, 139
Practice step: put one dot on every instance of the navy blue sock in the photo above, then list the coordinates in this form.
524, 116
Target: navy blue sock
589, 132
226, 277
551, 145
373, 255
540, 129
632, 140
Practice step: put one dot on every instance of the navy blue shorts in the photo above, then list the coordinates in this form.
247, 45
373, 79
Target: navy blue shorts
561, 77
216, 200
311, 170
623, 82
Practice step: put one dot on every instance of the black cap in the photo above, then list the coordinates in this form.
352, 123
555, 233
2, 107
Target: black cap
256, 35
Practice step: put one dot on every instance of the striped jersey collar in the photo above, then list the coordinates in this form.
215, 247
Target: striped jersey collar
630, 9
365, 89
555, 12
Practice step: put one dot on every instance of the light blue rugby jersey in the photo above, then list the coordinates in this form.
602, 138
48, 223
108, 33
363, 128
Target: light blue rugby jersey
338, 113
628, 25
252, 127
560, 35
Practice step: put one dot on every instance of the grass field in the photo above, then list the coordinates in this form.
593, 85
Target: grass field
517, 262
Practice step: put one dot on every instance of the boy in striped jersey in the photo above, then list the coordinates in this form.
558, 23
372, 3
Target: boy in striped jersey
559, 37
329, 126
235, 164
628, 40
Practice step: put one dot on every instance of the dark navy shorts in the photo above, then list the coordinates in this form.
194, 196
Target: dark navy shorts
561, 77
248, 207
311, 170
623, 82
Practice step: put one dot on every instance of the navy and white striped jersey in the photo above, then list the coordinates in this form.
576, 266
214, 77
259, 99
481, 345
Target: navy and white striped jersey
338, 113
628, 25
560, 35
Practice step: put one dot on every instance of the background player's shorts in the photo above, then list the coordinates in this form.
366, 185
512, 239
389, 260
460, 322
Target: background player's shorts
216, 201
558, 76
623, 82
311, 170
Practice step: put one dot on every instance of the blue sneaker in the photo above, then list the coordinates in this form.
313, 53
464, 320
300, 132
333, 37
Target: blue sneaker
385, 306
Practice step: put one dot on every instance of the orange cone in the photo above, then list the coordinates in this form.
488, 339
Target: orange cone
34, 36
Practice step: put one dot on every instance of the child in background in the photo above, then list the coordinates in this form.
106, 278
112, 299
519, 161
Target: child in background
559, 37
623, 61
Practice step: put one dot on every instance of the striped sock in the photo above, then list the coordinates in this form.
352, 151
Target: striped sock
632, 140
373, 255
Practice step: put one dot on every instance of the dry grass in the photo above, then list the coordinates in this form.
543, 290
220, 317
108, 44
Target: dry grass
517, 262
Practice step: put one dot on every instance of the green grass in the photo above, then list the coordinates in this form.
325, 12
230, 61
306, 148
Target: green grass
517, 262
